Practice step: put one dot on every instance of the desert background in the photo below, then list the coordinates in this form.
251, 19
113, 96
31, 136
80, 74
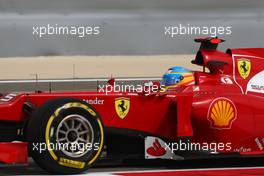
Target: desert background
74, 67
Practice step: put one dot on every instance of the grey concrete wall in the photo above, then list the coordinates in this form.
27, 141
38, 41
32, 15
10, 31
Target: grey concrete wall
127, 27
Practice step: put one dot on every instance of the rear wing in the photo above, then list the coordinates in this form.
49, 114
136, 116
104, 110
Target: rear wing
209, 43
208, 56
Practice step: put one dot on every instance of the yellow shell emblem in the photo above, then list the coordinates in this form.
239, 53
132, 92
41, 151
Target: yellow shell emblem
244, 67
222, 113
122, 106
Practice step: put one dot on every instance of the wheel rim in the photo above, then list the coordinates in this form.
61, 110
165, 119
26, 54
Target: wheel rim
75, 135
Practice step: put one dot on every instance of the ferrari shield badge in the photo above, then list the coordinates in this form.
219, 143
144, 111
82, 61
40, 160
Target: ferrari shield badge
122, 106
244, 67
222, 113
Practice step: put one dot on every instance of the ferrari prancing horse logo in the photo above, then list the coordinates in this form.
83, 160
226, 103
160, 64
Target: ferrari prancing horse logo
244, 67
122, 106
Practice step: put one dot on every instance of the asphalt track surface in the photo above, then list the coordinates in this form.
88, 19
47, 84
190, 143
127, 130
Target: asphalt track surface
204, 167
127, 27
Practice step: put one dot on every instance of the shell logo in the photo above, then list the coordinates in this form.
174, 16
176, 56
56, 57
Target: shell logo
222, 113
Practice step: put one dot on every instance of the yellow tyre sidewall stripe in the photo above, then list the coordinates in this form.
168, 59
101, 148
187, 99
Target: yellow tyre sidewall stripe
47, 137
101, 144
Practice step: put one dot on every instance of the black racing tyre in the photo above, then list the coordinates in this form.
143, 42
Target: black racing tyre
65, 136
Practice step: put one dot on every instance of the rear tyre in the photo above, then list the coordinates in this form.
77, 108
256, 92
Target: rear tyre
65, 136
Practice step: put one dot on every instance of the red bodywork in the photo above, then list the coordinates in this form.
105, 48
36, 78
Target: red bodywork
224, 105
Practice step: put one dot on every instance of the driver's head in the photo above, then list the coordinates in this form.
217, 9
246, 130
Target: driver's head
177, 76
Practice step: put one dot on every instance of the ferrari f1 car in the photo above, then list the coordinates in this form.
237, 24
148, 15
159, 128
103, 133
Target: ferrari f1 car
217, 111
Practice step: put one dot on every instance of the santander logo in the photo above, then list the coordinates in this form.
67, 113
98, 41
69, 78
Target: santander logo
156, 149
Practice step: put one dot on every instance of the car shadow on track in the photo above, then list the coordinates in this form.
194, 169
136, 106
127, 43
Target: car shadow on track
137, 165
31, 169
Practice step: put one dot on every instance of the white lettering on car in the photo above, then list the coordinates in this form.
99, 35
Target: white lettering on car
8, 97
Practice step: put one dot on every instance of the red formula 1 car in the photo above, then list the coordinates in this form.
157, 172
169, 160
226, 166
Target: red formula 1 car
215, 112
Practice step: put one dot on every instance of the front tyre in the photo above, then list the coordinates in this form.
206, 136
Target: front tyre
65, 136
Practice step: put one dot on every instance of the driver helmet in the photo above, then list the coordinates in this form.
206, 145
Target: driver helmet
177, 76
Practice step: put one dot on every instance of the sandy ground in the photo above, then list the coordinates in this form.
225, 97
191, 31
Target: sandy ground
90, 66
